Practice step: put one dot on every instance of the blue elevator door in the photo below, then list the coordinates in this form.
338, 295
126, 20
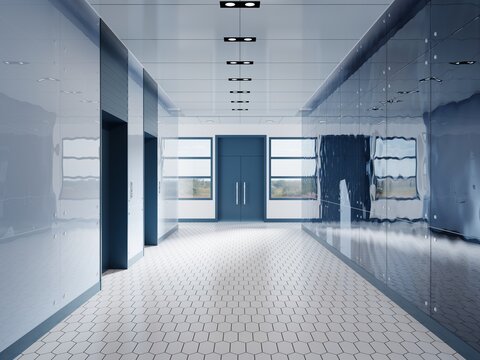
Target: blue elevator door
241, 178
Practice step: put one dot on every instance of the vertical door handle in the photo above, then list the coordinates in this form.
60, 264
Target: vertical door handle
244, 193
236, 193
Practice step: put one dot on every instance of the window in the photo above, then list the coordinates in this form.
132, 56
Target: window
293, 169
395, 168
189, 160
80, 168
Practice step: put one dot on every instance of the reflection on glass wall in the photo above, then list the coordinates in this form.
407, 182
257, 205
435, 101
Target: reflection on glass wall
49, 160
168, 171
395, 168
81, 174
398, 163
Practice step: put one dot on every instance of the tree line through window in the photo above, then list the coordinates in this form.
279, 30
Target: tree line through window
293, 169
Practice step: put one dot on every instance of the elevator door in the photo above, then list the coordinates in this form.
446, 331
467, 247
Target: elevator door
241, 178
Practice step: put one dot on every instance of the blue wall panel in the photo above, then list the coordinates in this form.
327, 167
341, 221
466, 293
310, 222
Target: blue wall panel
399, 173
49, 162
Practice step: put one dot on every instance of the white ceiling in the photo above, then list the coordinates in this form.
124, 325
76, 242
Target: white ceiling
299, 42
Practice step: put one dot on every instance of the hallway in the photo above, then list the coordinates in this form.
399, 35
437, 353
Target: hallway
239, 291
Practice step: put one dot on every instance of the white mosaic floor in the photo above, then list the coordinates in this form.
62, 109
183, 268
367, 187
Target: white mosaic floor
239, 291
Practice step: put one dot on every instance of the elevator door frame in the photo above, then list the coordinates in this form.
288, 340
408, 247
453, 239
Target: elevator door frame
217, 178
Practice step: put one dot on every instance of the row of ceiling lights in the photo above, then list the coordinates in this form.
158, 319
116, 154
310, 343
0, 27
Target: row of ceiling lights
233, 39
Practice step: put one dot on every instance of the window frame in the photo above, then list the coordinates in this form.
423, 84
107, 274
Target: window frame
270, 177
386, 158
210, 139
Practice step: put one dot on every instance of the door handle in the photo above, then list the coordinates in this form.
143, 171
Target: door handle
244, 193
236, 193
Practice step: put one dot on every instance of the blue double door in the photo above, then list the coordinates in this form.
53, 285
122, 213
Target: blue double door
241, 178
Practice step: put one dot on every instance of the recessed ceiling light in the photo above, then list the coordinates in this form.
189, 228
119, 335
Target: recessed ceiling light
240, 4
394, 101
15, 62
431, 78
239, 62
47, 79
210, 121
270, 121
239, 79
240, 39
240, 101
239, 91
465, 62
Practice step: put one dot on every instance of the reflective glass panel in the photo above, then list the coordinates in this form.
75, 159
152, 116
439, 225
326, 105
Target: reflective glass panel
398, 148
403, 168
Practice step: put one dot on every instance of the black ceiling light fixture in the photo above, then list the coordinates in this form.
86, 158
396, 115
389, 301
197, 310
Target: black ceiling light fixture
239, 79
240, 39
239, 109
394, 101
406, 92
391, 101
239, 91
240, 101
239, 4
239, 62
464, 62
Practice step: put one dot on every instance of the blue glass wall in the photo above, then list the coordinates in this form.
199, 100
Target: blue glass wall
50, 125
49, 160
399, 159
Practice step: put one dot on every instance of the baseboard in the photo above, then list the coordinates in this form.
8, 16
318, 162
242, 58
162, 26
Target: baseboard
435, 327
134, 259
196, 220
168, 233
33, 335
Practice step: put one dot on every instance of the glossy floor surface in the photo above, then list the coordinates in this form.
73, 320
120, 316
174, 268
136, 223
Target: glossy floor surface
239, 291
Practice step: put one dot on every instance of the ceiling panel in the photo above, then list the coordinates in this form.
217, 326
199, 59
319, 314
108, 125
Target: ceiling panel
220, 71
181, 45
